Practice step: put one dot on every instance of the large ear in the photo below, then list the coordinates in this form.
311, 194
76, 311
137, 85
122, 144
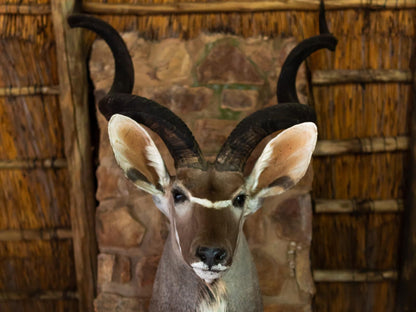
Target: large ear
283, 161
137, 154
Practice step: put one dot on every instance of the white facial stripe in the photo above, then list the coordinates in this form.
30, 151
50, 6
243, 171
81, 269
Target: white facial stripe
177, 239
209, 204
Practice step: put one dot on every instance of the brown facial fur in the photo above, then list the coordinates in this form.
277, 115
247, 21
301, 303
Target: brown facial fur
209, 227
210, 184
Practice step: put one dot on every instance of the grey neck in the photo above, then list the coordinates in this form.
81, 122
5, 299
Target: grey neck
178, 288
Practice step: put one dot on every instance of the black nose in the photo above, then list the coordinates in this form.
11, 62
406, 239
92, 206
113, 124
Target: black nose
211, 256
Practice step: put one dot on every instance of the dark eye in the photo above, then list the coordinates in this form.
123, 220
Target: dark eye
178, 196
239, 201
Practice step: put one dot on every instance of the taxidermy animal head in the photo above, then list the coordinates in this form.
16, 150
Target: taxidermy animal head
207, 202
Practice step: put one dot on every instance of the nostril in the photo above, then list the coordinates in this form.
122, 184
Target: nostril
211, 256
220, 255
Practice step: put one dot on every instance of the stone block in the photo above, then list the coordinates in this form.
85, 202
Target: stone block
260, 52
282, 307
271, 274
212, 133
226, 64
144, 209
303, 270
239, 100
291, 294
122, 270
117, 228
145, 272
293, 219
111, 181
171, 61
106, 302
197, 46
105, 265
181, 100
186, 100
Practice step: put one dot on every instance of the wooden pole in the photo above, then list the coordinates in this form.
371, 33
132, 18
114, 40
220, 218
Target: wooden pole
353, 276
338, 76
360, 206
406, 299
363, 145
26, 9
33, 164
240, 6
41, 234
38, 295
30, 90
75, 117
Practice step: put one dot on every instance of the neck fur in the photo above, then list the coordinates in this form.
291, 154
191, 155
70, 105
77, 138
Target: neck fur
214, 298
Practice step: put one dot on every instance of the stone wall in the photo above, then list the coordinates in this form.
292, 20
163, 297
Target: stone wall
211, 82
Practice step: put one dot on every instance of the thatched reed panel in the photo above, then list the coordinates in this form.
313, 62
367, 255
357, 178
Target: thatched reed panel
380, 39
34, 199
365, 242
271, 24
37, 269
36, 121
369, 39
36, 266
36, 68
23, 36
36, 305
372, 176
25, 2
352, 110
363, 297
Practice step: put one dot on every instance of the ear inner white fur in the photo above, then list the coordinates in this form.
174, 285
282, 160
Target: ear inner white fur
156, 161
137, 154
284, 161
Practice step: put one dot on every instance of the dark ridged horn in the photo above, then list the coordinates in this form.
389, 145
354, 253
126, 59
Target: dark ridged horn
251, 130
172, 130
124, 71
323, 26
286, 85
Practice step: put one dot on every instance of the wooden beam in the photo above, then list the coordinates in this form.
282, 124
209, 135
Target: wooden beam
37, 295
74, 107
345, 276
363, 145
33, 164
360, 206
330, 77
406, 299
240, 6
27, 9
30, 90
41, 234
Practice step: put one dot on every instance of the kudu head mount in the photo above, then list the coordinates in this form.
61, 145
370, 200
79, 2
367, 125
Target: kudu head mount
207, 203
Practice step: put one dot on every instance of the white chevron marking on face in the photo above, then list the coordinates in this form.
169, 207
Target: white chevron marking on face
221, 204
